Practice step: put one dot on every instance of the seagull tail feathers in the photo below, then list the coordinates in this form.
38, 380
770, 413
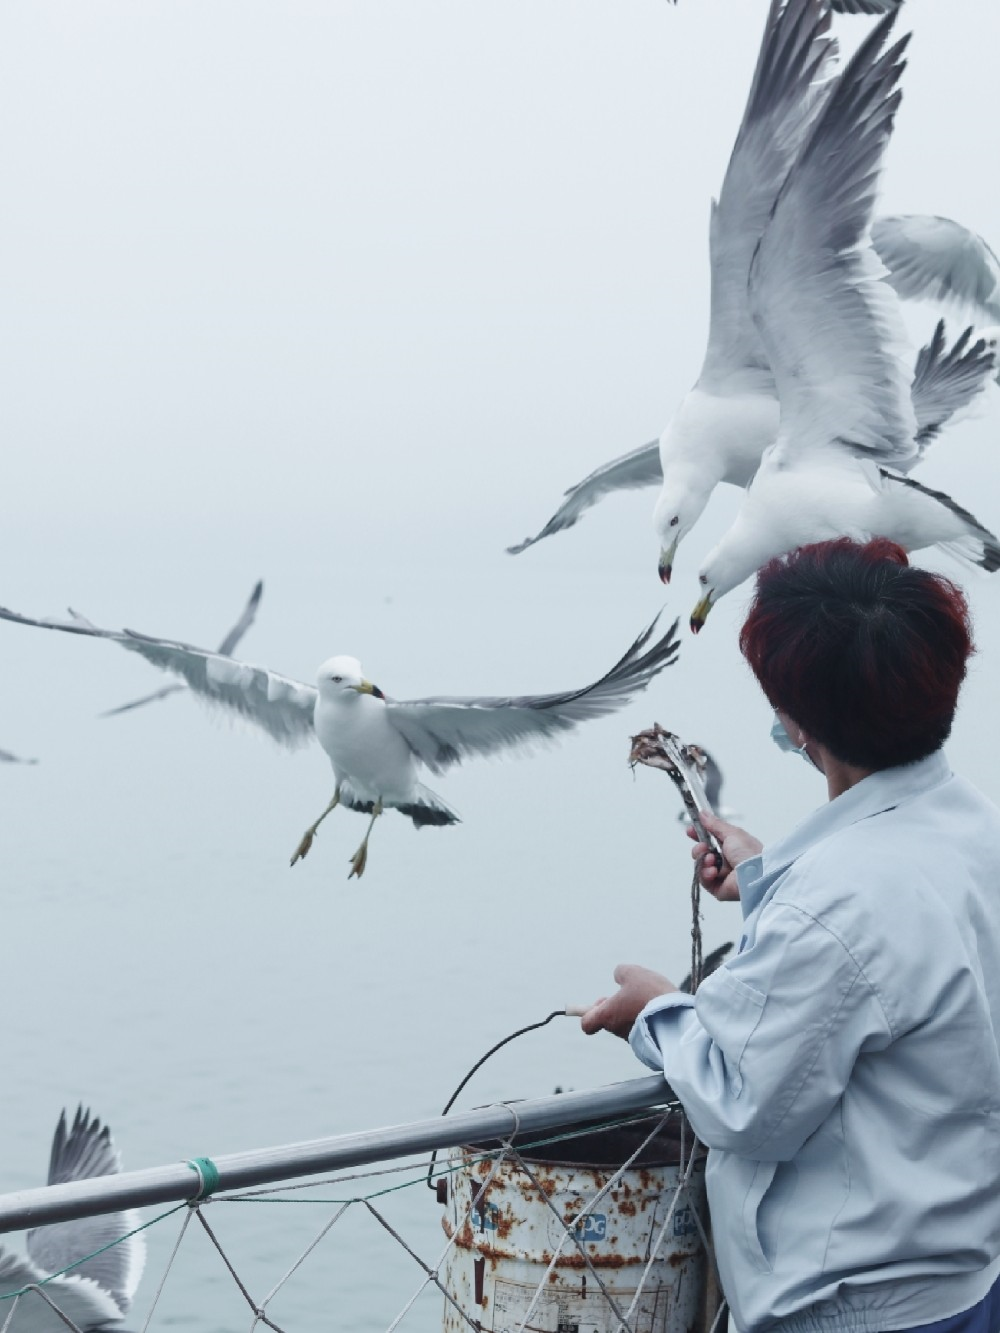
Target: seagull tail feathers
429, 808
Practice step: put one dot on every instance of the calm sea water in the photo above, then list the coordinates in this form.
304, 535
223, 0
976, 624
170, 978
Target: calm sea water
163, 965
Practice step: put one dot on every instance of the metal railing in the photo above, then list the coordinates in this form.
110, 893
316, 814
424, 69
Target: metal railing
185, 1181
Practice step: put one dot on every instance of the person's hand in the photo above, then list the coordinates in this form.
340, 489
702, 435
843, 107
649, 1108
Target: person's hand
737, 846
616, 1013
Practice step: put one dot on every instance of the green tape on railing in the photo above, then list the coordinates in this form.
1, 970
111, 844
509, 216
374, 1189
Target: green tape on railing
208, 1177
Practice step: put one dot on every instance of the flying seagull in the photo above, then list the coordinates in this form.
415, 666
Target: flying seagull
935, 259
97, 1293
724, 423
225, 649
6, 757
375, 743
848, 432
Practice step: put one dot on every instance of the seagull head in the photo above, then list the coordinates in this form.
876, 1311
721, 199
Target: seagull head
700, 613
342, 677
738, 555
678, 508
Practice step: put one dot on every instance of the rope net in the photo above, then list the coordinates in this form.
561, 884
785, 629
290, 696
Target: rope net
434, 1251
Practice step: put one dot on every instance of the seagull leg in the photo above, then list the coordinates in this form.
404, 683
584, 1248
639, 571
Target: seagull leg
310, 833
360, 858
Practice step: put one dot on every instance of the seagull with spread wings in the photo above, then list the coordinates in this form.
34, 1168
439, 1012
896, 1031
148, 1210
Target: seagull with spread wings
94, 1294
730, 416
832, 332
376, 744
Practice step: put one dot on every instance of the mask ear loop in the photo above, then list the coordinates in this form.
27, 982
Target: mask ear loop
801, 749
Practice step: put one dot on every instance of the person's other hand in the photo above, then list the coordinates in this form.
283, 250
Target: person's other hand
737, 846
616, 1013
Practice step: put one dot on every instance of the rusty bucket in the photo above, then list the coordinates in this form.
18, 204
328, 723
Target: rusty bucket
510, 1238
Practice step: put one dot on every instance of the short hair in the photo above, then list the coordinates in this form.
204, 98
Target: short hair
864, 652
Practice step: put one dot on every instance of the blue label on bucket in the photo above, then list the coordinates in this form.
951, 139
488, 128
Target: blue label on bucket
487, 1223
594, 1226
684, 1222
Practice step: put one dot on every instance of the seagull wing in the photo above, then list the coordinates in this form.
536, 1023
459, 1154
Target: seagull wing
865, 6
6, 757
81, 1152
225, 649
787, 89
245, 621
165, 693
713, 782
444, 731
630, 472
79, 1298
935, 259
946, 380
280, 706
831, 329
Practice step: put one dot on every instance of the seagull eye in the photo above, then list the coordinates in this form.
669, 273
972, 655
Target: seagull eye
336, 679
675, 520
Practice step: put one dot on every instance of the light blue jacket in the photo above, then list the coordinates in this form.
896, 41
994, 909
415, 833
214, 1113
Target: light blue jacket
843, 1068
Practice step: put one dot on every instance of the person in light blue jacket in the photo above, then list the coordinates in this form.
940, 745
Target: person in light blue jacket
843, 1067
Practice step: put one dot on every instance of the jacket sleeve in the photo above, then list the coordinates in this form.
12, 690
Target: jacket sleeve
767, 1049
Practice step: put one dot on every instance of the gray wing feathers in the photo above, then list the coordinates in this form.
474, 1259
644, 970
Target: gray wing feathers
865, 6
785, 94
79, 1298
946, 380
713, 782
980, 546
935, 259
165, 693
245, 621
631, 471
842, 377
442, 731
79, 1153
225, 649
280, 706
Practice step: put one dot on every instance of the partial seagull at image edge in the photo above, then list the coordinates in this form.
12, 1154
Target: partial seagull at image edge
97, 1293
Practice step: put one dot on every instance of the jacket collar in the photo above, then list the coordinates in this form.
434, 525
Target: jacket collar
871, 796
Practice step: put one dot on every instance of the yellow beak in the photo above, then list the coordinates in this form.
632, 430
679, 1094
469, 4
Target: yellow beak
700, 614
366, 687
666, 565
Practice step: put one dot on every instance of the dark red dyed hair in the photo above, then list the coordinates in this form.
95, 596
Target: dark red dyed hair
862, 651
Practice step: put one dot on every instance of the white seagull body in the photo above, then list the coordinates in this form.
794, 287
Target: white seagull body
97, 1293
375, 744
832, 332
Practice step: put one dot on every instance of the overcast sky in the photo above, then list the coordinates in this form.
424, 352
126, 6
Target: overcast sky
343, 295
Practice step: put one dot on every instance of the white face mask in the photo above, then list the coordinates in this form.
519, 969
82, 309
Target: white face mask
784, 742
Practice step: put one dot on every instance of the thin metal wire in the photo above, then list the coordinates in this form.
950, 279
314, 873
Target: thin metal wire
264, 1319
477, 1196
166, 1271
570, 1234
531, 1027
299, 1261
431, 1273
60, 1314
